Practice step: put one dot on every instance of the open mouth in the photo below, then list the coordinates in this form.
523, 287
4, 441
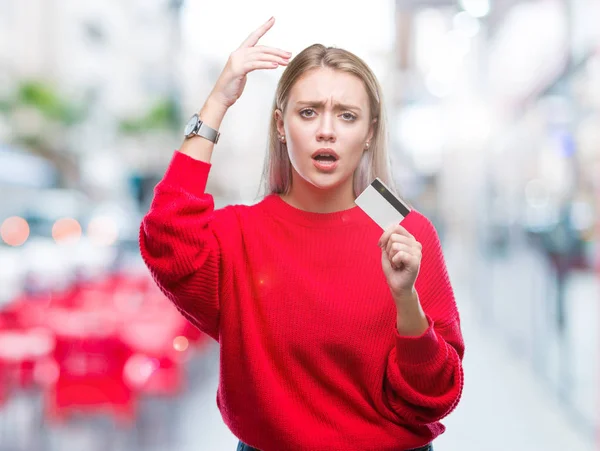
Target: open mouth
325, 161
325, 158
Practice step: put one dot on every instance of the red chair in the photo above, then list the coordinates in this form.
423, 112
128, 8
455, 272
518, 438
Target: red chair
157, 365
157, 372
90, 379
20, 351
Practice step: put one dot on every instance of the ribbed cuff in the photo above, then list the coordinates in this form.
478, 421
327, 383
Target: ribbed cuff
418, 350
188, 173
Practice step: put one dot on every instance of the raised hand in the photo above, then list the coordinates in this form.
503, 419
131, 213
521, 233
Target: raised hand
247, 58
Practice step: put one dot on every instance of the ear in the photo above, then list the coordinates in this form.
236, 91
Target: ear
371, 129
279, 121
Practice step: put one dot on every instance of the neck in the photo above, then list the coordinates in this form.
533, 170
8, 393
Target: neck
307, 197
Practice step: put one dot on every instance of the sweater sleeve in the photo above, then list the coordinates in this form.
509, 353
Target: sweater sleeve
179, 244
424, 375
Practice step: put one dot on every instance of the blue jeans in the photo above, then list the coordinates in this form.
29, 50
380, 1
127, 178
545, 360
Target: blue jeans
243, 447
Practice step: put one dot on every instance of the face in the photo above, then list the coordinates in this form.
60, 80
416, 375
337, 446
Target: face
326, 109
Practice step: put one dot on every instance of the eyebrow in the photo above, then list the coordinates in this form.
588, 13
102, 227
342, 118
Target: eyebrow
321, 104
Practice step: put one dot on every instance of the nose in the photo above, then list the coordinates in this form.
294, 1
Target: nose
326, 130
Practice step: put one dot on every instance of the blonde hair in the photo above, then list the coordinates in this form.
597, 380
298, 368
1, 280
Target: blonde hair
277, 169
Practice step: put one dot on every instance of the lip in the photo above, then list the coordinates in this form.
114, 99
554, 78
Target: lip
326, 167
326, 150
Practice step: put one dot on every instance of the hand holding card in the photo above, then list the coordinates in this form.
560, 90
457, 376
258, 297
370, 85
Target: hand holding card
401, 252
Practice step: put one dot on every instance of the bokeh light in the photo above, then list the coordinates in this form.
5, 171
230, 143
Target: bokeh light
103, 231
180, 343
14, 231
66, 230
139, 368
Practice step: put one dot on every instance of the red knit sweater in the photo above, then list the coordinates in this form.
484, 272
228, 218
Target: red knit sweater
311, 359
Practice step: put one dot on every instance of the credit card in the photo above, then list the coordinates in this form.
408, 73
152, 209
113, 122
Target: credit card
381, 205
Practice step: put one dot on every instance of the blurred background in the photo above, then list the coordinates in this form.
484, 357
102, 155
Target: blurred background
494, 119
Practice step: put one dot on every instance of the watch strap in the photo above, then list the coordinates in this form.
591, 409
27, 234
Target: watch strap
208, 132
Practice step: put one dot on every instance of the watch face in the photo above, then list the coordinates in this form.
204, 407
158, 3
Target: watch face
191, 125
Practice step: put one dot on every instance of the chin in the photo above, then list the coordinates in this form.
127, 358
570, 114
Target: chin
326, 181
321, 180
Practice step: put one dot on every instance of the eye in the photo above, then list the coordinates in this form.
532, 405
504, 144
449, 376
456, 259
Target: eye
349, 117
307, 110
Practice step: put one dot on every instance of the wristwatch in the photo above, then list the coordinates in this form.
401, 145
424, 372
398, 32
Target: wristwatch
195, 126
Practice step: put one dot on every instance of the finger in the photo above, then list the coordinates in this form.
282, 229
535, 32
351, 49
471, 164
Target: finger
398, 247
270, 58
397, 238
256, 65
398, 261
402, 231
272, 51
383, 240
396, 228
403, 258
253, 38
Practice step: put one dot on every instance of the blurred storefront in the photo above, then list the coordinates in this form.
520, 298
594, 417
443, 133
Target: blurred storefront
498, 114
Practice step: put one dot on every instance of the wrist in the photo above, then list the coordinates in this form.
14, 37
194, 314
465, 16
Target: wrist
212, 112
405, 296
410, 317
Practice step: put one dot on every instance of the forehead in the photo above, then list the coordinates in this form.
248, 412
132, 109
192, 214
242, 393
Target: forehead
324, 84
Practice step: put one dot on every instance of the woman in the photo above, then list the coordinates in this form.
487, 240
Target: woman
327, 343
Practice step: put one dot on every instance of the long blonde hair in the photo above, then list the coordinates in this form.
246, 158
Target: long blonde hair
277, 169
